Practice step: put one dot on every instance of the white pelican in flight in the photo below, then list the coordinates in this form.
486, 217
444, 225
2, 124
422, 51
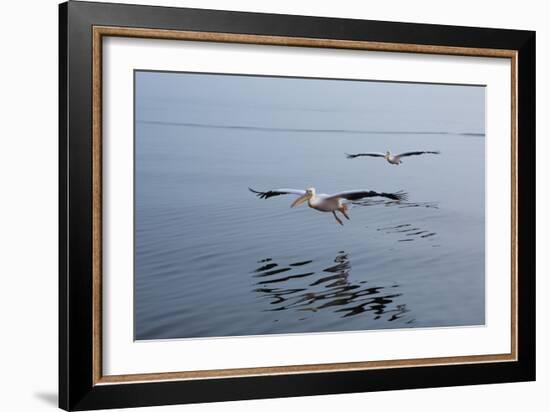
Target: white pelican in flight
394, 159
327, 203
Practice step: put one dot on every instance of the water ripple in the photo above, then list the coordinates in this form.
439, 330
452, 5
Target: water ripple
410, 232
314, 292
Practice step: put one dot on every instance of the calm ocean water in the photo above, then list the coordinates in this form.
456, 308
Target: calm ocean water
214, 260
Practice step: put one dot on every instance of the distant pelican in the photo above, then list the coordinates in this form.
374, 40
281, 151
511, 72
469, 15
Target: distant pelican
327, 203
392, 159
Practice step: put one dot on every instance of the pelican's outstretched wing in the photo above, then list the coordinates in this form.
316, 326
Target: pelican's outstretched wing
360, 194
371, 154
278, 192
415, 153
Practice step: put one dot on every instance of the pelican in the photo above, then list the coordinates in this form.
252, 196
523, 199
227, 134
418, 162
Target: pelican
327, 203
392, 159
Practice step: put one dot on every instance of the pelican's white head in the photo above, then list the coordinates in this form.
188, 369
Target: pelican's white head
310, 192
388, 154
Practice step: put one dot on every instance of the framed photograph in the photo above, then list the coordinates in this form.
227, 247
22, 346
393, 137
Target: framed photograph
256, 205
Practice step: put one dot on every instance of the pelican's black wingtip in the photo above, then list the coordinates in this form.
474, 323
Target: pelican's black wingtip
350, 156
401, 196
261, 195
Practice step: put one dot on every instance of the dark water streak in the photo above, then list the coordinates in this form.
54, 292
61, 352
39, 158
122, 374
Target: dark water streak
305, 130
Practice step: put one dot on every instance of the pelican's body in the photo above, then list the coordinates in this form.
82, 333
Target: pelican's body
324, 203
394, 159
327, 203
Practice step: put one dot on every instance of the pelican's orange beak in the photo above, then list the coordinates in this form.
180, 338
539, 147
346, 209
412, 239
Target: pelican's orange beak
300, 200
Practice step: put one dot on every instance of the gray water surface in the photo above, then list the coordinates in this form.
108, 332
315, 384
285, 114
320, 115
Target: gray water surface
211, 259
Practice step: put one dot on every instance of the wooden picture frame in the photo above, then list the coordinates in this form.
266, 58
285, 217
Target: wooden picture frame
82, 384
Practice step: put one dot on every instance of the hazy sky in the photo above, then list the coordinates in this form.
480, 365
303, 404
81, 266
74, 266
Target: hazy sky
275, 102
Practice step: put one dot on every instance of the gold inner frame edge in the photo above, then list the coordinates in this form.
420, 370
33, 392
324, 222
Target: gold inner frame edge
99, 32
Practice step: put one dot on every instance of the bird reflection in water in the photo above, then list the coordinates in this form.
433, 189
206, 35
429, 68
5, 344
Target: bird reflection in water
400, 205
294, 287
406, 232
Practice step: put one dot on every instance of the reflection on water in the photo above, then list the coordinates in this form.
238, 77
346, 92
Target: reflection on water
400, 204
408, 231
330, 289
